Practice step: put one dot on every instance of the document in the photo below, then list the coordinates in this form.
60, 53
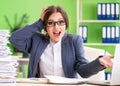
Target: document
53, 80
32, 80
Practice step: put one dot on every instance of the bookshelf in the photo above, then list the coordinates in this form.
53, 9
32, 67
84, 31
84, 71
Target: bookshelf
87, 15
81, 20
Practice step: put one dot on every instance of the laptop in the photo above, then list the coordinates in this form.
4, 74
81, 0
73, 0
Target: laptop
115, 76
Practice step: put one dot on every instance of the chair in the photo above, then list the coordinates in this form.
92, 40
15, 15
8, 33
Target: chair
91, 54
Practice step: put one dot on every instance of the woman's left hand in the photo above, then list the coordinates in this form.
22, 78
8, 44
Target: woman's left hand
106, 61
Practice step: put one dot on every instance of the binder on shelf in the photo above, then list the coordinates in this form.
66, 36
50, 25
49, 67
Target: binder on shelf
99, 11
83, 33
80, 31
108, 35
116, 11
103, 11
108, 15
117, 35
104, 35
112, 11
112, 33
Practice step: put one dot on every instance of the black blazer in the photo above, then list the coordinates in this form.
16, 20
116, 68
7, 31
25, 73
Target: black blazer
31, 40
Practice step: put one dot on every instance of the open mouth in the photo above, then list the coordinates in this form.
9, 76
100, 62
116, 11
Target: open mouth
56, 34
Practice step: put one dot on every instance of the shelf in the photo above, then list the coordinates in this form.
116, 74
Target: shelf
94, 25
100, 44
99, 21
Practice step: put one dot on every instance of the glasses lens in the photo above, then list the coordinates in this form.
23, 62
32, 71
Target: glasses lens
50, 23
60, 23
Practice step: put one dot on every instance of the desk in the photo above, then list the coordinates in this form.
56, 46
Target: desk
32, 84
40, 82
22, 62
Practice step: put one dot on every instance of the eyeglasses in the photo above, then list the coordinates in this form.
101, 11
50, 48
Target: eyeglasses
53, 23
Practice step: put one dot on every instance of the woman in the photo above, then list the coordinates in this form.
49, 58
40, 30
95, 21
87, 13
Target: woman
56, 52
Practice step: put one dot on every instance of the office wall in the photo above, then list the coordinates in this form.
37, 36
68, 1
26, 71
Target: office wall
33, 9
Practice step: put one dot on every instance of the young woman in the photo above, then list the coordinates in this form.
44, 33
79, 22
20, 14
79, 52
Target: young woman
56, 52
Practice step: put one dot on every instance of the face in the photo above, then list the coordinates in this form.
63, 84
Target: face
56, 27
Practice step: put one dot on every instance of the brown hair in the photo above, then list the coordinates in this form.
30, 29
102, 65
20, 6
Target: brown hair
52, 9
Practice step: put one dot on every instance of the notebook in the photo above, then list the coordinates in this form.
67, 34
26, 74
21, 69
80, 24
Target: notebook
115, 76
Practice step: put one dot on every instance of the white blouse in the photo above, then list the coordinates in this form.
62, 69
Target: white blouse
51, 62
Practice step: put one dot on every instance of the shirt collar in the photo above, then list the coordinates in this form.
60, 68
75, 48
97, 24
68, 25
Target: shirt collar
52, 43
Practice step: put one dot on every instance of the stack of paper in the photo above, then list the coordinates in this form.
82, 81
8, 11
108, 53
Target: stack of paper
4, 49
8, 67
8, 70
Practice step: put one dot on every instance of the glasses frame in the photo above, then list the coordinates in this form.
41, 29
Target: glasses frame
53, 23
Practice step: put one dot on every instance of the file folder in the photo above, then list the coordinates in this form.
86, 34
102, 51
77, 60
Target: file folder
112, 34
103, 11
99, 11
112, 11
117, 35
83, 33
108, 34
104, 37
108, 7
80, 31
116, 11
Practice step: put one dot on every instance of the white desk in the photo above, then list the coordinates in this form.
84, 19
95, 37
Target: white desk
32, 84
22, 62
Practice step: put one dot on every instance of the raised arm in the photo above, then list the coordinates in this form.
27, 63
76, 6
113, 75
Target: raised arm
21, 38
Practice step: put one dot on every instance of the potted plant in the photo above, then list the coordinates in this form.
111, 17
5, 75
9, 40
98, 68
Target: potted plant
17, 25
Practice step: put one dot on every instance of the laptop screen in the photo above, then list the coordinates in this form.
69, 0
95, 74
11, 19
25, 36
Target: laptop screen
115, 78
